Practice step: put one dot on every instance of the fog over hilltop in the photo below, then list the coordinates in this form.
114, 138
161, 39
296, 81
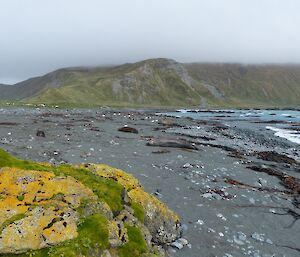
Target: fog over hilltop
40, 36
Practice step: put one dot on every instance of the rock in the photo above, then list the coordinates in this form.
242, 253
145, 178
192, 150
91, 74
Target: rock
182, 241
269, 241
208, 195
258, 237
187, 165
117, 233
168, 123
7, 123
177, 245
252, 200
40, 133
171, 142
262, 182
106, 253
90, 206
161, 151
240, 238
46, 222
128, 130
163, 224
200, 222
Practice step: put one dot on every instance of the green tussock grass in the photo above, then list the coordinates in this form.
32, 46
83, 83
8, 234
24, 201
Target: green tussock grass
136, 245
138, 211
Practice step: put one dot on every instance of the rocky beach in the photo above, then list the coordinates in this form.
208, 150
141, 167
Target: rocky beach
235, 185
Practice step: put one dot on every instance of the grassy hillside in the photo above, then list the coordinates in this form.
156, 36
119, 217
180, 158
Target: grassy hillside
251, 85
162, 83
148, 83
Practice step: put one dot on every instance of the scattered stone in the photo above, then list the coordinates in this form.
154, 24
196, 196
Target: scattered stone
262, 182
240, 238
6, 123
200, 222
187, 165
128, 130
168, 123
182, 241
252, 200
161, 151
40, 133
177, 245
269, 241
258, 237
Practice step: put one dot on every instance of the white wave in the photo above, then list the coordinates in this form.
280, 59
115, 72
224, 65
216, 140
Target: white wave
183, 110
290, 135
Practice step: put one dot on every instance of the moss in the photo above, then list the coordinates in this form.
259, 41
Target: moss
151, 204
87, 239
12, 220
138, 211
136, 245
21, 197
106, 189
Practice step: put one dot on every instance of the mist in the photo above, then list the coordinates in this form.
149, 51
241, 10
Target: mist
40, 36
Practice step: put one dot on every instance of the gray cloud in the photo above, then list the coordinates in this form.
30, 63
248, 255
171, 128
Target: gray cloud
40, 36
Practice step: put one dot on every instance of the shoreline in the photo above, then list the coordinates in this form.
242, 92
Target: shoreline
226, 207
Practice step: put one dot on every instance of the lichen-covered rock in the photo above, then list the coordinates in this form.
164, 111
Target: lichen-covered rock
40, 228
86, 210
163, 224
117, 235
36, 209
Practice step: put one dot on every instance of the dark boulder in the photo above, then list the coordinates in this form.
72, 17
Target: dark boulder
128, 130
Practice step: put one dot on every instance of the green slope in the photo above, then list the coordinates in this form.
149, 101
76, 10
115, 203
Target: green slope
252, 85
162, 83
148, 83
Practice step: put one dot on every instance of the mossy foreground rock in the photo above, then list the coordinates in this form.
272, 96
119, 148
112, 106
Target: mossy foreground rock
84, 210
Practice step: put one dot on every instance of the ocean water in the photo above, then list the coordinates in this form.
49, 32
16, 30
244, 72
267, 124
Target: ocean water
283, 129
263, 115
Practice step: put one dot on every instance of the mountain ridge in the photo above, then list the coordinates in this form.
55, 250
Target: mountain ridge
164, 82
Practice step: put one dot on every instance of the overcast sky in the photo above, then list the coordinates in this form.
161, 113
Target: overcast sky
38, 36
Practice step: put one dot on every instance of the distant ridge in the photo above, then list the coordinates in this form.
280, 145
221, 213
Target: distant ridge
164, 82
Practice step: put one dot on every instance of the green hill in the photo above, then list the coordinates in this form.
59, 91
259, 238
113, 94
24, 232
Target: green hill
162, 83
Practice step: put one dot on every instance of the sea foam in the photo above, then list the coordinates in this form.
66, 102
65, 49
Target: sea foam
291, 135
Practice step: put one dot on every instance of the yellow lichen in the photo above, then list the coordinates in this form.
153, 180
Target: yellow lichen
117, 233
126, 180
135, 191
48, 203
151, 204
69, 211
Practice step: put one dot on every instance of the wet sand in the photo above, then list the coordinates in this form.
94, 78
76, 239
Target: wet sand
226, 208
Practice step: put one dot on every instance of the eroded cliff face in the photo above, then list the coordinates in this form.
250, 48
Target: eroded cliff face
86, 210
